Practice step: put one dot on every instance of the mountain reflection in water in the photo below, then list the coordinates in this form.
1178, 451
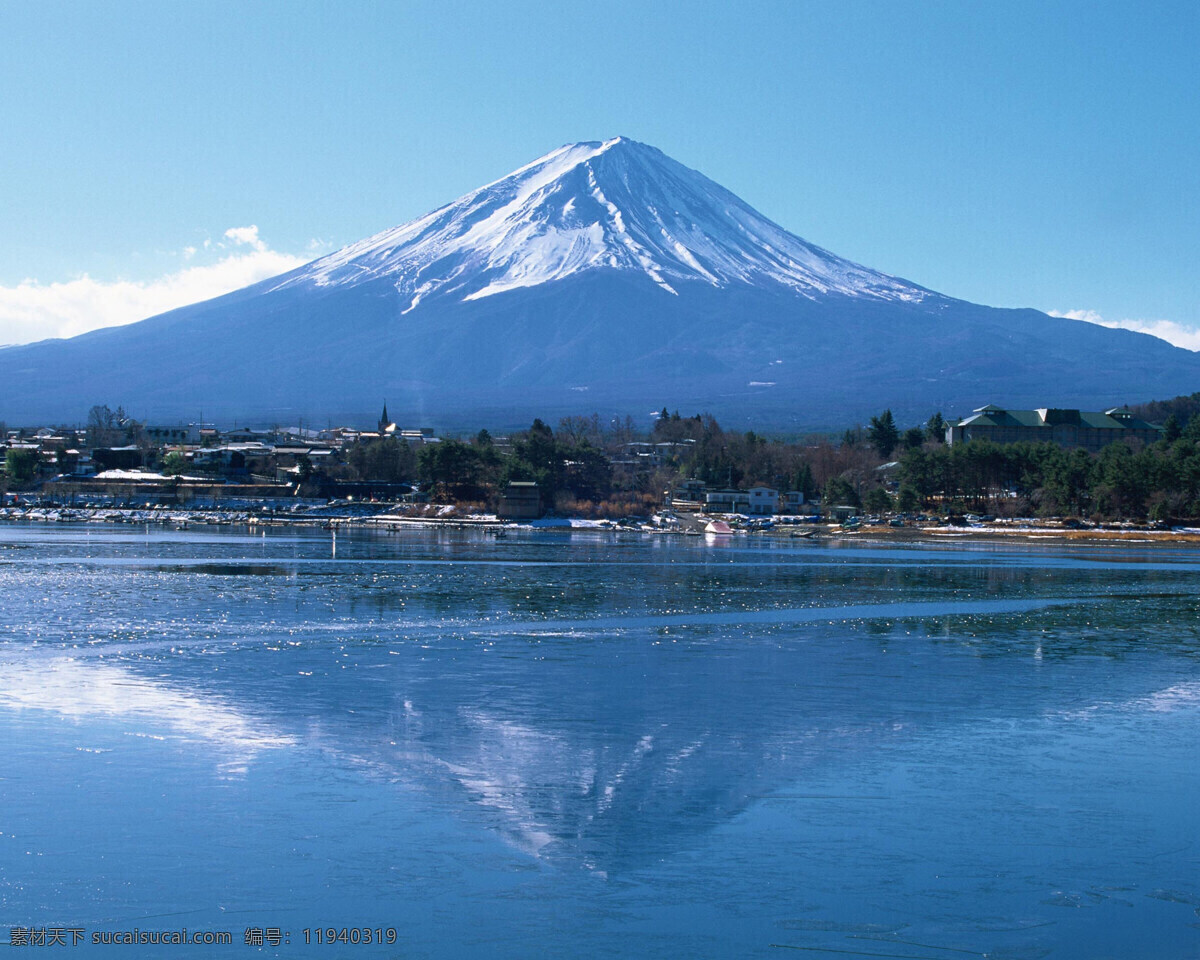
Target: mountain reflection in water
600, 705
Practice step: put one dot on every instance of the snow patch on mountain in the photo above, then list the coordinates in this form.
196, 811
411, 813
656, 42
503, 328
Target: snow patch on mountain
618, 205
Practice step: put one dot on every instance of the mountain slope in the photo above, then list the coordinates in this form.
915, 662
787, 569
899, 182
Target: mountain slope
617, 205
603, 276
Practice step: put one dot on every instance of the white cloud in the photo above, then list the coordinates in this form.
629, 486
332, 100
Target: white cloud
247, 236
1169, 330
1091, 316
37, 311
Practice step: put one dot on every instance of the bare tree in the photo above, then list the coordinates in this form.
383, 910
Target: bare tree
103, 427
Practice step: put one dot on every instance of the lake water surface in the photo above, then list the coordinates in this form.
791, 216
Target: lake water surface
594, 745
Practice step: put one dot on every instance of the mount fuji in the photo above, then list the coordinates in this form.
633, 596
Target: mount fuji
606, 277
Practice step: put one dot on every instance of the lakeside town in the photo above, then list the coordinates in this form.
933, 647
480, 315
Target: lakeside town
1051, 470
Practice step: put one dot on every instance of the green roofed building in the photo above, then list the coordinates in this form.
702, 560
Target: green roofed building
1067, 428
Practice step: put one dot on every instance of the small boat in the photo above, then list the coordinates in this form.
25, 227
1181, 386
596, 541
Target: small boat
718, 526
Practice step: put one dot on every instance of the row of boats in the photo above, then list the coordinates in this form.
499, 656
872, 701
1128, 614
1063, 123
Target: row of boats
123, 515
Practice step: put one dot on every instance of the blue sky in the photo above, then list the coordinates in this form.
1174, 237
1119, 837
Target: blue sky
1014, 154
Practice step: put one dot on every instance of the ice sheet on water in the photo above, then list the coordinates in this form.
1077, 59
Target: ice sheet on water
1176, 896
840, 926
76, 689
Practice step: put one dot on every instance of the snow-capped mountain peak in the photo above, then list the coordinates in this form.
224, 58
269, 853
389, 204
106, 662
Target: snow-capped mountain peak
615, 204
602, 277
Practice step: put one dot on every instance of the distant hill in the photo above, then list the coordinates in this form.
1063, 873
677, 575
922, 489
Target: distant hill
605, 277
1156, 411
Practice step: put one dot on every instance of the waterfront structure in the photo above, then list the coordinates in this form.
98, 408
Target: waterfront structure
758, 501
792, 501
764, 501
1067, 428
520, 500
727, 501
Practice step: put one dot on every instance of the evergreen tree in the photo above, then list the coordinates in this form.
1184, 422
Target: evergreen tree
804, 481
935, 428
878, 501
452, 466
20, 465
537, 457
1172, 431
839, 491
386, 460
883, 434
588, 473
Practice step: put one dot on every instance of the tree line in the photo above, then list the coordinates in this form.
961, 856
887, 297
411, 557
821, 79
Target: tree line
586, 466
570, 468
1160, 481
880, 467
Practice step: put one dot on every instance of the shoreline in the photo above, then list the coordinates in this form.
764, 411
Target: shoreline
1095, 535
174, 518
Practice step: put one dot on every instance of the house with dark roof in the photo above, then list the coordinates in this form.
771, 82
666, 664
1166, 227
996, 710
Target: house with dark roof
1067, 428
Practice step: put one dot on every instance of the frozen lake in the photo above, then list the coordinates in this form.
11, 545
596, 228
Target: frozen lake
596, 745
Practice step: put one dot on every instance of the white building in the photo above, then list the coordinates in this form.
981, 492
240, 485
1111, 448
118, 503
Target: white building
764, 502
757, 501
